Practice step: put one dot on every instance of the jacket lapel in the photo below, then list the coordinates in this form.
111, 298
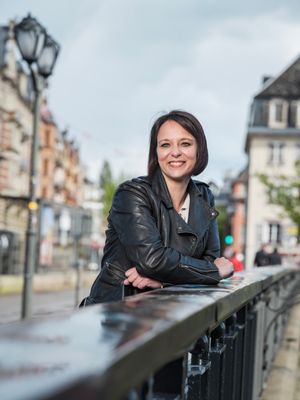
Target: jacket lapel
200, 213
159, 187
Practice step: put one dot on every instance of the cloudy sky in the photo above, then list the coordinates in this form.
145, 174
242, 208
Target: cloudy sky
123, 62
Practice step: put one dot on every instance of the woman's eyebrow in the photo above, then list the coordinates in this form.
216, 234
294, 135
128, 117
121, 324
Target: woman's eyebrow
163, 140
181, 139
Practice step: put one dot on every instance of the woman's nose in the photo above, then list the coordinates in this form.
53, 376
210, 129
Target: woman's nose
175, 151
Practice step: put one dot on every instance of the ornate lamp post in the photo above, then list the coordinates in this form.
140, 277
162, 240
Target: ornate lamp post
40, 52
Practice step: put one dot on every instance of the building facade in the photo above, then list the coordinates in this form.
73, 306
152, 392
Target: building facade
238, 216
60, 187
15, 139
93, 204
272, 146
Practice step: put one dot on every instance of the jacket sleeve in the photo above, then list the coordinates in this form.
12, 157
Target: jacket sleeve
137, 231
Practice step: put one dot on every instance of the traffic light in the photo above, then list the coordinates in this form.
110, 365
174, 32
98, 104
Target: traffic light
228, 240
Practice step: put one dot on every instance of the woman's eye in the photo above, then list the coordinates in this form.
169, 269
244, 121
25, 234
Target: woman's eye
164, 145
186, 144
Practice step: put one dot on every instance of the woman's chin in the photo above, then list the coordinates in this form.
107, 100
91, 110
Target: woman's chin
178, 177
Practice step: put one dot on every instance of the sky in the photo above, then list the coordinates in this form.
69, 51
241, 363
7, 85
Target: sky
125, 62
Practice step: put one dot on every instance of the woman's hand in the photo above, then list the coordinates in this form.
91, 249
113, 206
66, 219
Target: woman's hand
136, 280
224, 266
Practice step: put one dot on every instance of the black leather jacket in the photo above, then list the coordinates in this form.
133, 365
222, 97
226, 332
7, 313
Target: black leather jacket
146, 232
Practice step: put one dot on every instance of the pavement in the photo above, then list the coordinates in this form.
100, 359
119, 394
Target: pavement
44, 305
47, 282
297, 390
283, 382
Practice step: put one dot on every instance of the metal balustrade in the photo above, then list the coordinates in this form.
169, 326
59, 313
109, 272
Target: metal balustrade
181, 342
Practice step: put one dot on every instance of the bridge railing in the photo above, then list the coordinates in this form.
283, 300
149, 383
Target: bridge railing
180, 342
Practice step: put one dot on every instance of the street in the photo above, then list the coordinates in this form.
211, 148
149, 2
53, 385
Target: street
46, 304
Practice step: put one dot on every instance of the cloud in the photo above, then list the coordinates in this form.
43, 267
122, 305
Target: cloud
124, 61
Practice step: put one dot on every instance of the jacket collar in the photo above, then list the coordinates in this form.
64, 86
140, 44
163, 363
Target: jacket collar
200, 213
160, 188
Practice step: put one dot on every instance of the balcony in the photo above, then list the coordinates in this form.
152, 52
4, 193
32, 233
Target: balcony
180, 342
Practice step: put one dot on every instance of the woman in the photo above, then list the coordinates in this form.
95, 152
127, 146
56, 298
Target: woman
162, 228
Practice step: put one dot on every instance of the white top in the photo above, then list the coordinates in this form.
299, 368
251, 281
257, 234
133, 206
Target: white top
184, 211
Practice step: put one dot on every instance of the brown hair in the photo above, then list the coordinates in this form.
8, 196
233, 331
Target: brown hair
189, 123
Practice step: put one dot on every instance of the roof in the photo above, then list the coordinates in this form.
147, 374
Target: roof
242, 176
285, 85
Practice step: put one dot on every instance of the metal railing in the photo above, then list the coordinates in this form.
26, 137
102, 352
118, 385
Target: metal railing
180, 342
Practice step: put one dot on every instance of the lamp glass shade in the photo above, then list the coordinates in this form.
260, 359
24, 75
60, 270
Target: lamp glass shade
30, 37
48, 56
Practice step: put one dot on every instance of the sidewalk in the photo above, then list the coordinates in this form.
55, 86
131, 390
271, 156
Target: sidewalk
283, 380
47, 282
297, 392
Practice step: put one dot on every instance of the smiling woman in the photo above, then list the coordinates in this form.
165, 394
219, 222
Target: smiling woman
176, 154
162, 228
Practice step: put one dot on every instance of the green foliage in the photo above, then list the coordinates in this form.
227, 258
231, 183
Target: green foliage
285, 192
105, 175
108, 186
109, 190
222, 225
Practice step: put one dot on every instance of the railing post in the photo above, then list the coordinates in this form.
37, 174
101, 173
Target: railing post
217, 357
198, 366
170, 380
248, 354
143, 392
241, 323
230, 339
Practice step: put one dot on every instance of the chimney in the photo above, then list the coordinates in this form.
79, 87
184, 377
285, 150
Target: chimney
265, 78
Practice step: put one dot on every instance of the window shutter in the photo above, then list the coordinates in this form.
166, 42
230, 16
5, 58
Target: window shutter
293, 114
265, 113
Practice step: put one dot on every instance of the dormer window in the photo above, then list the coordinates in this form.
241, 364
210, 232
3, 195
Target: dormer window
279, 112
278, 115
295, 113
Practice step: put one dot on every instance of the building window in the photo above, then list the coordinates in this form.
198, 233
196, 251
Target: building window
279, 112
274, 233
47, 137
276, 153
295, 113
278, 115
269, 232
297, 151
44, 193
46, 167
14, 138
259, 114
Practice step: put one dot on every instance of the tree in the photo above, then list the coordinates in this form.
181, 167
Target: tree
109, 190
284, 191
222, 225
108, 186
105, 175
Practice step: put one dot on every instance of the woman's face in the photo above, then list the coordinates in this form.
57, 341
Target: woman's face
176, 151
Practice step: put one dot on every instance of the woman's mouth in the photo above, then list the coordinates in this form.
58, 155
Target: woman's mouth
176, 164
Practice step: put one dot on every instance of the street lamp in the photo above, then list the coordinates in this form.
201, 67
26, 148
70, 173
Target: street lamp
40, 52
